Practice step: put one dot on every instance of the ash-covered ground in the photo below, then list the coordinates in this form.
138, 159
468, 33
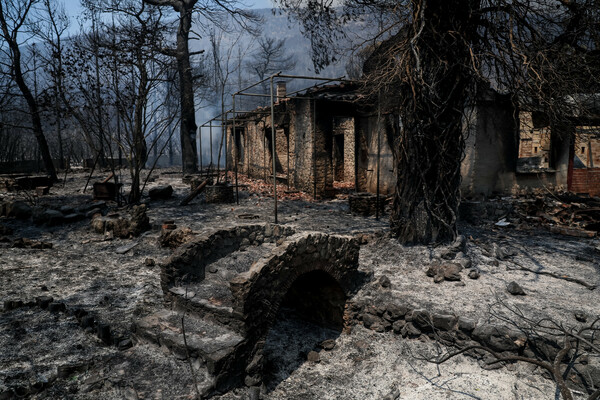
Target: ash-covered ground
49, 354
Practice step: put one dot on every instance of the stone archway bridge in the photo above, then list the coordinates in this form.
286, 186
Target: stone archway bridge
224, 290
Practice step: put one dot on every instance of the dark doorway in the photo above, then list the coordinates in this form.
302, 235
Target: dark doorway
311, 312
338, 158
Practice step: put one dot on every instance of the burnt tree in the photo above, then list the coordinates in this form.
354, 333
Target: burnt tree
188, 127
13, 18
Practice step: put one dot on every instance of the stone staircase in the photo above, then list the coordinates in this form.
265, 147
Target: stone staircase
207, 286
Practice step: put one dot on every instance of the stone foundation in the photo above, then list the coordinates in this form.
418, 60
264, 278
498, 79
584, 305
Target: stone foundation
219, 194
365, 204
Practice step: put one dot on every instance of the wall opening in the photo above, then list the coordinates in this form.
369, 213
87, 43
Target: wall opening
338, 158
311, 312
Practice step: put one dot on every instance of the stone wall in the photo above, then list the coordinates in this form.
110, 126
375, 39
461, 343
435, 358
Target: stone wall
189, 261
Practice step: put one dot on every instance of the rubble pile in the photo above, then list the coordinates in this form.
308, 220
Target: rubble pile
567, 214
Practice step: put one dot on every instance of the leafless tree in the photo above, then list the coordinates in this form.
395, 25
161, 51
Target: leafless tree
210, 11
15, 19
268, 58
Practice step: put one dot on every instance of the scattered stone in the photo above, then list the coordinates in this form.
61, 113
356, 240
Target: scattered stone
444, 322
24, 243
44, 301
212, 269
446, 271
328, 344
409, 330
466, 324
384, 281
175, 237
56, 306
313, 356
474, 273
515, 289
149, 262
161, 192
12, 304
398, 325
125, 344
580, 316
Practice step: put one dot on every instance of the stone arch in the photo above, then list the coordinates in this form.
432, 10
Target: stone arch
260, 292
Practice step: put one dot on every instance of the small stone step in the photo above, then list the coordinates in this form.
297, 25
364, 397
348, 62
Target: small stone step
210, 299
207, 340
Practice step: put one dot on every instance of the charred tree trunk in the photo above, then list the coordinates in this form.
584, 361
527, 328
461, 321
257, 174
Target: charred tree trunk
140, 148
11, 39
431, 143
188, 127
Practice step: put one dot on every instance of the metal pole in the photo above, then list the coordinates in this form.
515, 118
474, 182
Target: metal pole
314, 137
288, 159
274, 151
211, 148
224, 132
235, 149
378, 150
200, 139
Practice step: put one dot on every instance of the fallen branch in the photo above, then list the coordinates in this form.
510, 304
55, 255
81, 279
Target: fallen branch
194, 193
553, 275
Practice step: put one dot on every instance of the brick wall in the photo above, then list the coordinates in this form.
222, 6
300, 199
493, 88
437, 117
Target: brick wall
586, 180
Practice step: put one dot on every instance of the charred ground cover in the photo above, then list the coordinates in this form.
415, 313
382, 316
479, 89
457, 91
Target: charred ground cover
68, 322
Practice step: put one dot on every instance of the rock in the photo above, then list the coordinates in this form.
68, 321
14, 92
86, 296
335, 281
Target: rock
446, 271
409, 330
444, 322
420, 318
466, 324
313, 356
499, 338
370, 320
49, 217
514, 289
56, 307
398, 325
161, 192
149, 262
474, 273
18, 210
328, 344
451, 271
43, 301
176, 237
125, 344
580, 316
98, 224
384, 281
394, 312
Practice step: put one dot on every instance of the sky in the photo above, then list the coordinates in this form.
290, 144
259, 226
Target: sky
73, 7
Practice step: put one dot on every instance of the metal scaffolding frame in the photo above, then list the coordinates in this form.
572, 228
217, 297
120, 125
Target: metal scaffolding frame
271, 96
